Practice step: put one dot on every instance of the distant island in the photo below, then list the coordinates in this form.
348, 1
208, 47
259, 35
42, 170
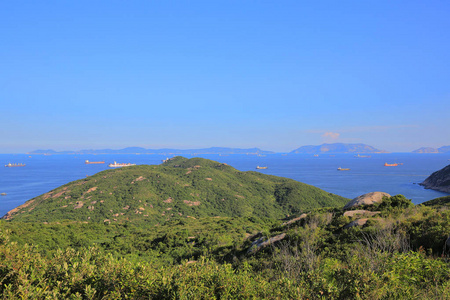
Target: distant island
337, 148
443, 149
140, 150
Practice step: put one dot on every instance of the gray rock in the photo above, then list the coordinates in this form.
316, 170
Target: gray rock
302, 216
260, 243
359, 222
352, 213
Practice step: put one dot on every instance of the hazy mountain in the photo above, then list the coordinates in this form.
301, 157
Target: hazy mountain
443, 149
426, 150
337, 148
134, 150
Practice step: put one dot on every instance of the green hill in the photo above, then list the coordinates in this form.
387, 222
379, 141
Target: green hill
179, 188
438, 202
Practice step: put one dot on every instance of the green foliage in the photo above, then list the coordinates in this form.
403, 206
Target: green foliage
438, 202
393, 205
208, 258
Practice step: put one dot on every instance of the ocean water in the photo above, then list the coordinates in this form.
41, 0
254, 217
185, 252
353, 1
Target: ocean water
43, 173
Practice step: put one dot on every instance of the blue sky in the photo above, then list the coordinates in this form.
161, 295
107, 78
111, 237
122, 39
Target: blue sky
190, 74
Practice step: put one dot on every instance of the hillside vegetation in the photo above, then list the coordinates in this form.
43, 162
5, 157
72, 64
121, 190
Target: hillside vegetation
386, 249
399, 252
179, 188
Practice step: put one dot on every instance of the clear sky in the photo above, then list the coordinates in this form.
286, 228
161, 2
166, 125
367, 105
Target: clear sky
190, 74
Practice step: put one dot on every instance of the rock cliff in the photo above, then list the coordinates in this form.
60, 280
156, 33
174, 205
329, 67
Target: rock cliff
439, 180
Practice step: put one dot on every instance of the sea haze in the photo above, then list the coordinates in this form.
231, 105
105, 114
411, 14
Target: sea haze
43, 173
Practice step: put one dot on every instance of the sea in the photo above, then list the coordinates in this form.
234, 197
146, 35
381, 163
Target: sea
43, 173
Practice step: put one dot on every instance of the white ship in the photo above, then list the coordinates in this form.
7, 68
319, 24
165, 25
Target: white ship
10, 165
117, 165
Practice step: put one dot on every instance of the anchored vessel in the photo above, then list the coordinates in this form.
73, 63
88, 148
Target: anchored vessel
93, 162
261, 168
343, 169
116, 165
10, 165
390, 165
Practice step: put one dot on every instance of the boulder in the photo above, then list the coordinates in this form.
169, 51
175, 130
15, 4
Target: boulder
359, 222
367, 199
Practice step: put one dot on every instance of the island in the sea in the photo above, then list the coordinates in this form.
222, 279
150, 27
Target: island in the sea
337, 148
443, 149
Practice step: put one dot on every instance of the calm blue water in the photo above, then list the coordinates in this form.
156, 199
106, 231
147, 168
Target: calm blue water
44, 173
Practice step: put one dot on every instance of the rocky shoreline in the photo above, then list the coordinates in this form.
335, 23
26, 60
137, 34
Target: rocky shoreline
439, 180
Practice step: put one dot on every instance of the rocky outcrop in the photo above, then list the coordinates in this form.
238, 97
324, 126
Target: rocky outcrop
302, 216
12, 212
359, 222
439, 180
367, 199
262, 243
353, 213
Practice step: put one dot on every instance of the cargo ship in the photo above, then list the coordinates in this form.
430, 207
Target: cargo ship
117, 165
261, 168
93, 162
343, 169
390, 165
10, 165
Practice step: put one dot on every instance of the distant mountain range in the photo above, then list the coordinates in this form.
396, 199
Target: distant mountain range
324, 148
139, 150
337, 148
444, 149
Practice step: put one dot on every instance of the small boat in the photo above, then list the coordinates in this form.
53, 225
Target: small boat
10, 165
390, 165
343, 169
3, 194
93, 162
362, 156
261, 168
118, 165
